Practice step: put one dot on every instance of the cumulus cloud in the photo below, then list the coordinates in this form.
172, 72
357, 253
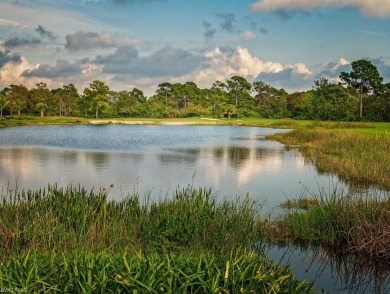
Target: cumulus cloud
14, 41
383, 65
295, 77
224, 62
6, 56
373, 8
45, 33
333, 69
118, 62
11, 73
89, 40
61, 69
167, 61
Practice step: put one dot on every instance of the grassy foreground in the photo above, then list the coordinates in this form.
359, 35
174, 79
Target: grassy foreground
74, 241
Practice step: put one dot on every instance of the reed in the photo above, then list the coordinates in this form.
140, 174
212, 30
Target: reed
358, 159
71, 240
68, 219
357, 224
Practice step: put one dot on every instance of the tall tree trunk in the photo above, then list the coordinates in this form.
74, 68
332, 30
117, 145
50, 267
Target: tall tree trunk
97, 112
361, 100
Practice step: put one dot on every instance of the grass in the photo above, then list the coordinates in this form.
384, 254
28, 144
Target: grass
359, 225
71, 240
258, 122
242, 272
68, 219
356, 158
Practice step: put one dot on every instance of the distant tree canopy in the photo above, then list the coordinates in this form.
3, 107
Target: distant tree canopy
235, 98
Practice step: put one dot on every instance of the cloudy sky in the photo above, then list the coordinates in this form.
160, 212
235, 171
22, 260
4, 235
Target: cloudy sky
141, 43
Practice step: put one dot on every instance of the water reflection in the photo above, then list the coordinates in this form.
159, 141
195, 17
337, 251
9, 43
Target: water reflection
98, 159
334, 272
230, 160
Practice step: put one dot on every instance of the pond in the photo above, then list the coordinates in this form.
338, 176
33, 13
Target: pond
155, 160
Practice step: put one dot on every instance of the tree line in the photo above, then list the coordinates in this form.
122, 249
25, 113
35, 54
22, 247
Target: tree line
361, 94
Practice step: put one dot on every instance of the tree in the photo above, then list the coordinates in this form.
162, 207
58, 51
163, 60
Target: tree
42, 108
40, 95
271, 102
166, 90
218, 96
18, 97
238, 86
364, 77
3, 104
97, 95
262, 90
67, 98
330, 101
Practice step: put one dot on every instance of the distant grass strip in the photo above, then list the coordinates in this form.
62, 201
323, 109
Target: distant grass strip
356, 158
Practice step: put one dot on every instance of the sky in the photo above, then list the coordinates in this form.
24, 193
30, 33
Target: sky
141, 43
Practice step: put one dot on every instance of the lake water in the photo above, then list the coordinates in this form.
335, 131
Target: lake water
154, 160
231, 160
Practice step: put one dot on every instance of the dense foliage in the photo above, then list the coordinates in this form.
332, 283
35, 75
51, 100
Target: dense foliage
362, 88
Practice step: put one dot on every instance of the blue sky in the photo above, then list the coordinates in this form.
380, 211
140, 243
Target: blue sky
141, 43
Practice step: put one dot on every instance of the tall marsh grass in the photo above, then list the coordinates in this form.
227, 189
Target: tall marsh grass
68, 219
355, 158
356, 224
71, 240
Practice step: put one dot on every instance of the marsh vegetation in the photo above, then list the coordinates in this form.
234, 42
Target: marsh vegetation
73, 240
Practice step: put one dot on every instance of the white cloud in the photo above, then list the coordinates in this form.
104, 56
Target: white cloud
223, 63
373, 8
11, 73
301, 68
8, 23
246, 36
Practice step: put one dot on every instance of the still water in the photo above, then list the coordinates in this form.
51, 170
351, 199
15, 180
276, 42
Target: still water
155, 160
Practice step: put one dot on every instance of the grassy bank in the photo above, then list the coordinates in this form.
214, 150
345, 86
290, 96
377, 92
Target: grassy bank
358, 225
76, 240
259, 122
356, 158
